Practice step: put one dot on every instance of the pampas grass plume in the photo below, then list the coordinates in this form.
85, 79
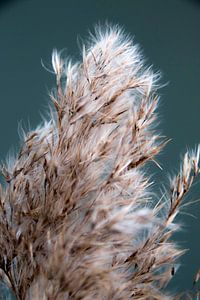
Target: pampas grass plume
78, 219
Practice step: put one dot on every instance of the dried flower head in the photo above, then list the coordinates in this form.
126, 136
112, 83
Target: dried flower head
77, 218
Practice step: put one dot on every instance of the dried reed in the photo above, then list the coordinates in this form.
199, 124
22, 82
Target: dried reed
78, 219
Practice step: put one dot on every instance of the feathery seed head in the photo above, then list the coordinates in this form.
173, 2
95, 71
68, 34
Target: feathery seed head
75, 218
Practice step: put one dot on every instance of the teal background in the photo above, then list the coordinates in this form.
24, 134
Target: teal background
169, 34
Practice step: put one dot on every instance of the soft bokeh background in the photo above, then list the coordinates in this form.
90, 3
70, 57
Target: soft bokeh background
169, 34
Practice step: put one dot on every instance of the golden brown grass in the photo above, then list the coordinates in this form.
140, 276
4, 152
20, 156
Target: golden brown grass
77, 219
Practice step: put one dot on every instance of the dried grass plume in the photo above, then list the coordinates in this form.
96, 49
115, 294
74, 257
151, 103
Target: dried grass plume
78, 219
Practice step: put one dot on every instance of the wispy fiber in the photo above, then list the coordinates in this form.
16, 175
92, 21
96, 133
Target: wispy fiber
76, 216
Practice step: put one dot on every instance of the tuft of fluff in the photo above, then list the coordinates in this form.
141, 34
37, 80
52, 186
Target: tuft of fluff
76, 216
